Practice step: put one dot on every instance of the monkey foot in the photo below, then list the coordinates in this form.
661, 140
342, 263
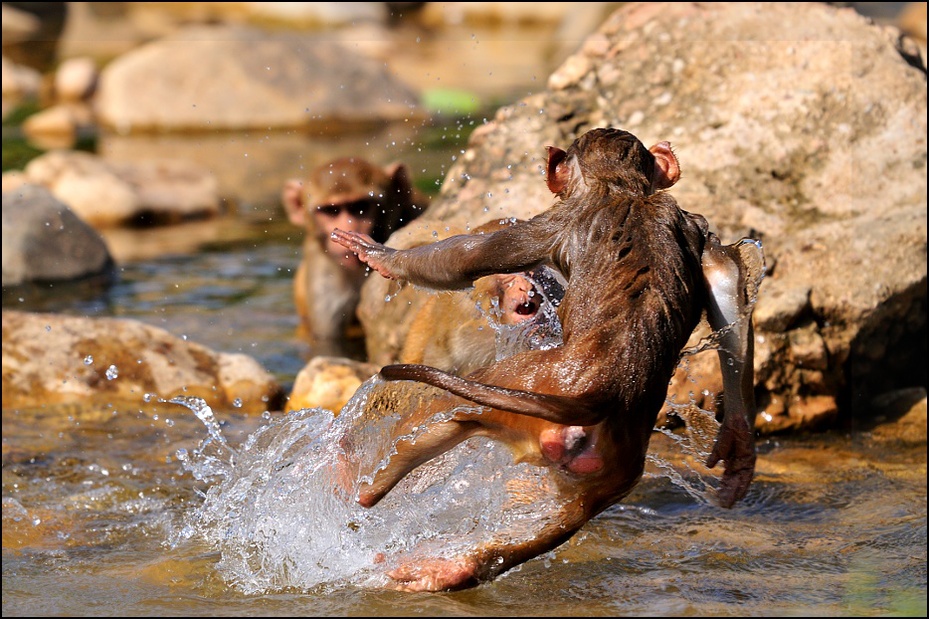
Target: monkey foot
570, 447
436, 575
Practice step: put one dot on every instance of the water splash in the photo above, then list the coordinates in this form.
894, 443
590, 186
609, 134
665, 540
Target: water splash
694, 443
281, 509
543, 331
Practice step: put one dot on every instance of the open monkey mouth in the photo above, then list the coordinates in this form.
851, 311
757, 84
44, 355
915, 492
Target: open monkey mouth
529, 308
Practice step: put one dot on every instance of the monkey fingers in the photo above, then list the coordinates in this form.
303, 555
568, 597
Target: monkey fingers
369, 251
436, 574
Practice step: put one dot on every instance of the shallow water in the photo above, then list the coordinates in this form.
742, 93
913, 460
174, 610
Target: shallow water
144, 511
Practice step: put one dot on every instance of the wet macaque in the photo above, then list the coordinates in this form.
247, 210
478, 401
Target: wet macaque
453, 330
354, 195
641, 273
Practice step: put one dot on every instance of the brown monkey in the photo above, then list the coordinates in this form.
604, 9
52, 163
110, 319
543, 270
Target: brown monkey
351, 194
640, 274
457, 331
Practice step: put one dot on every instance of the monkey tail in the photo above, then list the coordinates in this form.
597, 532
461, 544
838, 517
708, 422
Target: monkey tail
565, 410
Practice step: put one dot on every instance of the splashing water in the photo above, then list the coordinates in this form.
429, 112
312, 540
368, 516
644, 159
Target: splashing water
281, 516
543, 331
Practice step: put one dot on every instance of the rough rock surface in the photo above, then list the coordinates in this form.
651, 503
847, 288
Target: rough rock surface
802, 125
50, 359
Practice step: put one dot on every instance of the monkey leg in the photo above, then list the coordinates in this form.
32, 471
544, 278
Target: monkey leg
506, 550
409, 424
439, 437
732, 274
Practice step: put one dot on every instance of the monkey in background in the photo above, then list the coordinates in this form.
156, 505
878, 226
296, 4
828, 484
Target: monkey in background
352, 194
641, 273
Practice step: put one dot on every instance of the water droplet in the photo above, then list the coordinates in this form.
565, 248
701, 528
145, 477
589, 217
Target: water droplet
112, 372
88, 360
237, 402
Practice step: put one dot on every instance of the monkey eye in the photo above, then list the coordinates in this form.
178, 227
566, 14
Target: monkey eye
361, 209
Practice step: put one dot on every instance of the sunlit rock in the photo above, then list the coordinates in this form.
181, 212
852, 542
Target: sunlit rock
49, 359
247, 78
328, 382
802, 125
113, 193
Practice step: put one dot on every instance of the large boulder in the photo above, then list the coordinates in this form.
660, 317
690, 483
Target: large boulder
51, 359
227, 77
802, 125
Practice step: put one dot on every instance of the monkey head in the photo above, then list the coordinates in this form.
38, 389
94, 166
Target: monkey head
612, 157
353, 194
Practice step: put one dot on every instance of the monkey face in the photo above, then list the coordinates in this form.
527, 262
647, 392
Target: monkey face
357, 216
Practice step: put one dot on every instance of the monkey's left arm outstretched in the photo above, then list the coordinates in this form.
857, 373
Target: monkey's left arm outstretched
456, 262
732, 273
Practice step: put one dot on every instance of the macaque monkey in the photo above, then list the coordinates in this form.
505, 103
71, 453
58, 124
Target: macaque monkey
641, 273
457, 331
351, 194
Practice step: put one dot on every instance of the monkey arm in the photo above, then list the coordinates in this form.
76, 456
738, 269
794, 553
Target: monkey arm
732, 274
456, 262
566, 410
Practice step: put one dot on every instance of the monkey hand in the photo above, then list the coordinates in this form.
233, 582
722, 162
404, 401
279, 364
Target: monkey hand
735, 445
369, 251
436, 574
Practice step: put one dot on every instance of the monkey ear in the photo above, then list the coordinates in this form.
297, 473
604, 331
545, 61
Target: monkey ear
401, 185
558, 174
295, 202
667, 169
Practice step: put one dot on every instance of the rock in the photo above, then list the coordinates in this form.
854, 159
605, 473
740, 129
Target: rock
51, 359
902, 415
76, 79
801, 125
244, 79
328, 382
107, 194
57, 127
19, 84
44, 241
